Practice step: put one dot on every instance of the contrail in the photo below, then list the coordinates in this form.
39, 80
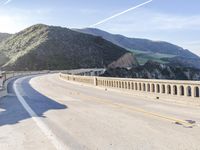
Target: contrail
121, 13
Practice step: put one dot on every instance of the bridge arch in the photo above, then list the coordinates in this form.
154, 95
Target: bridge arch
158, 88
189, 91
125, 85
144, 87
129, 85
140, 87
136, 86
152, 87
169, 90
163, 89
120, 84
116, 84
196, 92
182, 90
175, 90
148, 88
132, 86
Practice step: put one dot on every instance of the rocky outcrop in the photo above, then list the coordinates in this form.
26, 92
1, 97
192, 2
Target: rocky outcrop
154, 70
128, 60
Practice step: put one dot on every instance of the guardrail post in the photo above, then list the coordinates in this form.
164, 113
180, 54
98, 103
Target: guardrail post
95, 81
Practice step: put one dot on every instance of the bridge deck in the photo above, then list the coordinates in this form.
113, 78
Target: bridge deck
83, 117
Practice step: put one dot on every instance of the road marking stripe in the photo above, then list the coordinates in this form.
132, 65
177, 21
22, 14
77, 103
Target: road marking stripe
135, 109
135, 94
44, 128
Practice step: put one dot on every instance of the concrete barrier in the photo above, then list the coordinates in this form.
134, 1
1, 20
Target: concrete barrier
173, 89
4, 80
3, 93
5, 76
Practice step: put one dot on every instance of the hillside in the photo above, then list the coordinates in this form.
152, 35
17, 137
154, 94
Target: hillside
154, 70
42, 47
145, 49
140, 44
4, 36
126, 61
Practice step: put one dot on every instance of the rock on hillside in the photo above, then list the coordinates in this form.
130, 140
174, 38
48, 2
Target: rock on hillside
184, 62
126, 61
47, 47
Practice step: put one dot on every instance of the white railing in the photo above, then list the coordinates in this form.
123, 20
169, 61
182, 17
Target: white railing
4, 77
157, 88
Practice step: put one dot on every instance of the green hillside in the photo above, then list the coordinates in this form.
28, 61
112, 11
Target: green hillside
42, 47
143, 56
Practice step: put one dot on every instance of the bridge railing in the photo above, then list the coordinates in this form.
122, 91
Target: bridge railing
5, 76
147, 87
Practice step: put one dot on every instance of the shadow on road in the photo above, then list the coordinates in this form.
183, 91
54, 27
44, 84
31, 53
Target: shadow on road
11, 110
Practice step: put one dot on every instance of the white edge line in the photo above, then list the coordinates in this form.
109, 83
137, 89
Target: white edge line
44, 128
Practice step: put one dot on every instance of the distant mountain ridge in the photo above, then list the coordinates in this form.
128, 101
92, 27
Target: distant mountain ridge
43, 47
140, 44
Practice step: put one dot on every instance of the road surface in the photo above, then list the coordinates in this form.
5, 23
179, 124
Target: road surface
47, 113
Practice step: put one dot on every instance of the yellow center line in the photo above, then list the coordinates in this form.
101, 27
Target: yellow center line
140, 110
136, 109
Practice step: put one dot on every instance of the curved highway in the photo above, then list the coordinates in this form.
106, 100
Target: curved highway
47, 113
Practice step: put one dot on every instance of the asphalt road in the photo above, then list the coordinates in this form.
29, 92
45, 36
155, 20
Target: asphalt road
48, 113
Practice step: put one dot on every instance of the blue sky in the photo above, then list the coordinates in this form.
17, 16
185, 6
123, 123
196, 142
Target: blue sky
176, 21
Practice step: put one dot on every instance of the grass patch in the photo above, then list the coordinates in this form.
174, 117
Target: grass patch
144, 56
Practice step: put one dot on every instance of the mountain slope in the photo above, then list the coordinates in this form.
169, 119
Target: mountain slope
4, 36
144, 50
154, 70
140, 44
47, 47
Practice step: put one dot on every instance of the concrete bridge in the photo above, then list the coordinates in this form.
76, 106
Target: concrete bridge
173, 89
76, 109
